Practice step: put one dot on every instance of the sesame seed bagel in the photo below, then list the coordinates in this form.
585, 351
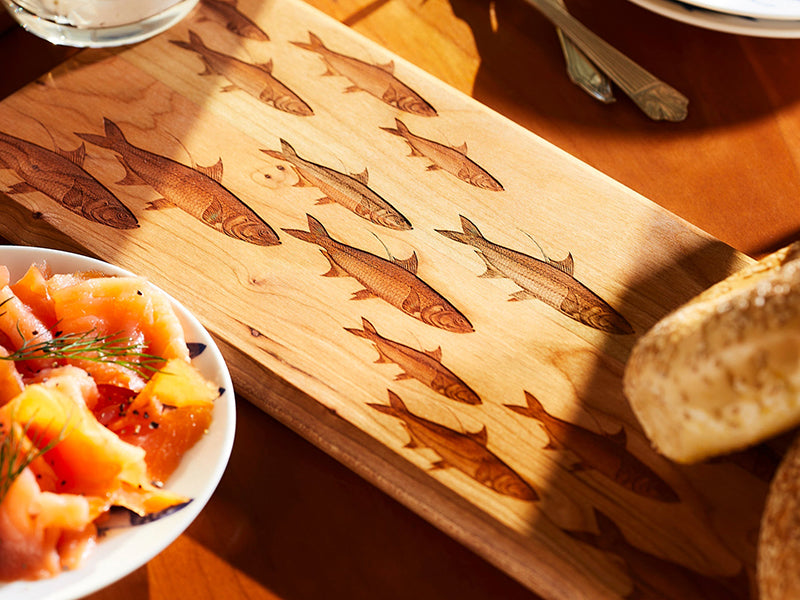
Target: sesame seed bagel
722, 372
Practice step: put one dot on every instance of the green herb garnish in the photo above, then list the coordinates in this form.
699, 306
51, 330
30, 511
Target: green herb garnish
15, 457
113, 348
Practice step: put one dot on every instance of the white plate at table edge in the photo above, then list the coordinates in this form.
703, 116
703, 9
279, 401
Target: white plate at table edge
709, 19
775, 10
122, 551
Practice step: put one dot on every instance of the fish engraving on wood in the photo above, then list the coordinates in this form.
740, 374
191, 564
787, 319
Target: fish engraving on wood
657, 579
256, 80
197, 191
466, 452
761, 461
377, 80
451, 159
60, 176
350, 191
546, 280
604, 453
425, 367
394, 281
227, 14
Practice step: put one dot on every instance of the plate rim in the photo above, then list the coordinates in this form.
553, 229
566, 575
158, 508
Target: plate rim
756, 10
725, 23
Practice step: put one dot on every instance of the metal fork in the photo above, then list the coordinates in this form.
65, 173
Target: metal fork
654, 97
582, 72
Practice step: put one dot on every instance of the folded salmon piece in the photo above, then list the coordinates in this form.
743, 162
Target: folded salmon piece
11, 384
108, 433
32, 290
18, 325
126, 306
70, 379
89, 467
88, 458
36, 527
167, 417
118, 308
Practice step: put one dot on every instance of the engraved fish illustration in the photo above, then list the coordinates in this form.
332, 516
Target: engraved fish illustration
377, 80
454, 160
60, 176
657, 579
606, 454
227, 13
256, 80
425, 367
394, 281
760, 461
546, 280
197, 191
350, 191
466, 452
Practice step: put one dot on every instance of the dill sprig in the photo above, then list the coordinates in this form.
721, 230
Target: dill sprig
17, 453
112, 348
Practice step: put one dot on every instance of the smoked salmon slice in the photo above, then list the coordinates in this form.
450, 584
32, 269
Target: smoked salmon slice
31, 522
99, 402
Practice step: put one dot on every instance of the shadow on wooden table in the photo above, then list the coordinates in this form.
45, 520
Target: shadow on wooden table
302, 526
743, 106
26, 56
321, 532
715, 557
292, 523
522, 66
287, 521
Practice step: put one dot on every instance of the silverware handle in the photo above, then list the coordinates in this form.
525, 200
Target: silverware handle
582, 72
657, 99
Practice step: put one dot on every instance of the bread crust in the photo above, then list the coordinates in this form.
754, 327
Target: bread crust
778, 558
722, 372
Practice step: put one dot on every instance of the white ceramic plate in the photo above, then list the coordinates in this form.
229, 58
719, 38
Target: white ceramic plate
122, 551
708, 19
759, 9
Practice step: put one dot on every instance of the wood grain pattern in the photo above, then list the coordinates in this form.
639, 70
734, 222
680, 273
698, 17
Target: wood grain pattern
737, 152
272, 306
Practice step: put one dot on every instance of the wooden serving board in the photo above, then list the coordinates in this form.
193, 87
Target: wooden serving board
502, 422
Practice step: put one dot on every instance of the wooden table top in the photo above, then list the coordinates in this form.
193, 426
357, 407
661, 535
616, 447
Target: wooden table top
289, 522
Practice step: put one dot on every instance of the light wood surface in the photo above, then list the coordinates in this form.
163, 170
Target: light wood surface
616, 135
